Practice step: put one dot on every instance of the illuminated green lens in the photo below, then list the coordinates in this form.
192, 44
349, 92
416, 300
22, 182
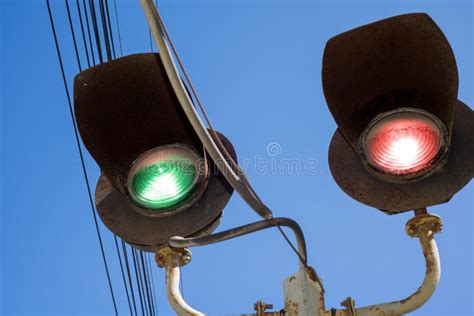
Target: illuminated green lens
163, 179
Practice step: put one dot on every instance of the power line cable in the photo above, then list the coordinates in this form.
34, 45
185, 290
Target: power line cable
110, 44
139, 288
153, 290
118, 27
147, 288
109, 24
89, 32
76, 134
80, 69
96, 30
127, 265
83, 33
144, 289
123, 275
115, 237
104, 30
73, 35
108, 30
147, 276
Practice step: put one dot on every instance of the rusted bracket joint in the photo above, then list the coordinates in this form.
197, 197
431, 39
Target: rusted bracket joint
172, 259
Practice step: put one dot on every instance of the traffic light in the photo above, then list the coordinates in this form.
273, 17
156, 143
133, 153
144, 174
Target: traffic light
156, 181
404, 141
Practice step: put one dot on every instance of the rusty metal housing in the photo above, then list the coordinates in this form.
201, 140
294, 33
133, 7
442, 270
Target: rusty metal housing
400, 62
124, 108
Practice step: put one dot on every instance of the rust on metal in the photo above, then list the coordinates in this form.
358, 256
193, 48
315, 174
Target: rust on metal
304, 294
124, 108
261, 308
291, 307
381, 67
364, 75
424, 226
393, 198
172, 257
349, 304
247, 229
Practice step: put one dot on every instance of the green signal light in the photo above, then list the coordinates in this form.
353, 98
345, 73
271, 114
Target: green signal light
164, 184
164, 178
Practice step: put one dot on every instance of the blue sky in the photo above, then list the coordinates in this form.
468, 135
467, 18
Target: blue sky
256, 65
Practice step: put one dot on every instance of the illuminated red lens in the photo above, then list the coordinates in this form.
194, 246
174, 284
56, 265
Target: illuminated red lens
403, 143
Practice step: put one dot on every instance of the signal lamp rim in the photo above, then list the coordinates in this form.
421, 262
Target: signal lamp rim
199, 185
432, 166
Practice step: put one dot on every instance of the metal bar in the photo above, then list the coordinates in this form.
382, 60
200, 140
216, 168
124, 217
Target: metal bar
303, 294
156, 27
174, 295
422, 226
172, 259
179, 242
418, 298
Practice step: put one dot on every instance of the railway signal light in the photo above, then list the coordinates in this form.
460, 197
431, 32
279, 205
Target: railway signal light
404, 141
165, 177
157, 180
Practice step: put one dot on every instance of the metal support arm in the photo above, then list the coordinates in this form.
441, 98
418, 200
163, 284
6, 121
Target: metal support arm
172, 260
423, 227
417, 299
240, 185
179, 242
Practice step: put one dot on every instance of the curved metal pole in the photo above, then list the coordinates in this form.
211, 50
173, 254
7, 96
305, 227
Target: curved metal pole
179, 242
174, 295
423, 227
157, 29
424, 292
172, 260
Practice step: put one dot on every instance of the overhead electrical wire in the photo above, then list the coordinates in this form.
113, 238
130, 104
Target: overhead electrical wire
142, 277
127, 265
152, 303
95, 28
142, 273
105, 31
89, 31
242, 185
83, 33
152, 284
109, 25
123, 275
142, 284
140, 290
76, 134
110, 50
145, 280
73, 36
118, 27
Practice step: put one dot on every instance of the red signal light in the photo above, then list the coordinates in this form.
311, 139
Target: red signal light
407, 142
